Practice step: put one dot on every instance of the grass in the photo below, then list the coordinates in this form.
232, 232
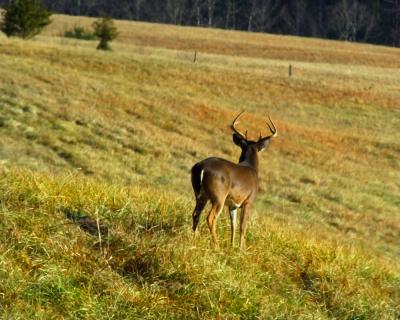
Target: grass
148, 266
113, 136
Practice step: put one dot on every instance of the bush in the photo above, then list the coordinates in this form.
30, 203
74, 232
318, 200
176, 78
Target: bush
24, 18
80, 33
106, 31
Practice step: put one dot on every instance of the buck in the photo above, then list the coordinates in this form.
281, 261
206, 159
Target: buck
223, 182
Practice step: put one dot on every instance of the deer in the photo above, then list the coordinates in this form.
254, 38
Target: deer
222, 182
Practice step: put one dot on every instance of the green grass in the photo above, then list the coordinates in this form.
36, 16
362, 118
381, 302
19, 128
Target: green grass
148, 266
113, 135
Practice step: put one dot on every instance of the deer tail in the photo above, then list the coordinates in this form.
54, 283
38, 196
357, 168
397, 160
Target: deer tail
197, 177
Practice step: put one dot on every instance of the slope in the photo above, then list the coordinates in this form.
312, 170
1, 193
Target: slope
140, 116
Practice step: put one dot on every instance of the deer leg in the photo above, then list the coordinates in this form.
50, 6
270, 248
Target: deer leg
200, 204
233, 214
243, 224
212, 221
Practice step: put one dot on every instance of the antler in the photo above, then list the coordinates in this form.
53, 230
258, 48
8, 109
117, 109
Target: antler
273, 130
236, 130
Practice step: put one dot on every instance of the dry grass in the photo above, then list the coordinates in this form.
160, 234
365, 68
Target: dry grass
233, 43
324, 226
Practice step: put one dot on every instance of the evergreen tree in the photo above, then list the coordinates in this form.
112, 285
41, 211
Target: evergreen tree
24, 18
106, 31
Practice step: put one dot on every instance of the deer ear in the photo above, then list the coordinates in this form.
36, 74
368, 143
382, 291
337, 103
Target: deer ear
263, 144
238, 140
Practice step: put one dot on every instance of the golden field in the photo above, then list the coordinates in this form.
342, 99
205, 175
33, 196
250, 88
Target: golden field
113, 135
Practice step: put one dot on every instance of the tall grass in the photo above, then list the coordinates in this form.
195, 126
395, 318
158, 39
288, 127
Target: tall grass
148, 265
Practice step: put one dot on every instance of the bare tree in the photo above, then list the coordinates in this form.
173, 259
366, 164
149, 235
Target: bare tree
263, 15
197, 11
174, 10
253, 11
352, 21
295, 17
138, 8
231, 11
211, 10
317, 23
394, 10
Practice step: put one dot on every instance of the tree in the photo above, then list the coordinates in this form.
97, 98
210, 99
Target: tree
197, 11
24, 18
318, 22
376, 21
253, 10
230, 16
264, 15
392, 11
352, 21
295, 17
138, 7
106, 31
211, 11
175, 10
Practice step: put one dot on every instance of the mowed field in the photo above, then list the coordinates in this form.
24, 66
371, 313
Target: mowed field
113, 135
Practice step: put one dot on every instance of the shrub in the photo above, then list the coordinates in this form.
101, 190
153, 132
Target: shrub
80, 33
106, 31
24, 18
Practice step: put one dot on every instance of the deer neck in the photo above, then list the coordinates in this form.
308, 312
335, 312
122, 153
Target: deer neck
249, 158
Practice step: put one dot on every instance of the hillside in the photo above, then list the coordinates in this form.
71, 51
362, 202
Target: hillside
113, 135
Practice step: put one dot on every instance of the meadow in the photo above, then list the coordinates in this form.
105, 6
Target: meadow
113, 135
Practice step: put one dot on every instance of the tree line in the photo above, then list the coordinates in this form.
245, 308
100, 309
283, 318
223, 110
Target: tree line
374, 21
